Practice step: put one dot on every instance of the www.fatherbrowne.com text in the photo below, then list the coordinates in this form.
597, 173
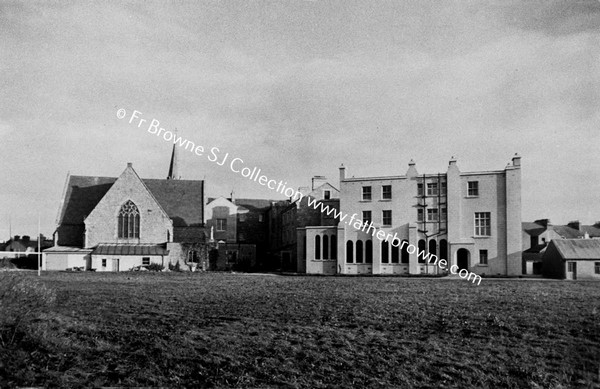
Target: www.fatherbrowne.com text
236, 165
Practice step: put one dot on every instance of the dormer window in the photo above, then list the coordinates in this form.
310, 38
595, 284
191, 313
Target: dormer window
129, 221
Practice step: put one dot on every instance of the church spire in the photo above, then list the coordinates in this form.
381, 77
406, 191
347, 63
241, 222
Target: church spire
173, 167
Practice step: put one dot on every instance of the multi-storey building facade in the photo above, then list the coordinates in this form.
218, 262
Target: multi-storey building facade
239, 229
471, 219
290, 220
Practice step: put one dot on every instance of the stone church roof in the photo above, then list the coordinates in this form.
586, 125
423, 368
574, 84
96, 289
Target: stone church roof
182, 200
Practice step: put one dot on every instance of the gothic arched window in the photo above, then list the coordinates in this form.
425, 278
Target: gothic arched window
129, 221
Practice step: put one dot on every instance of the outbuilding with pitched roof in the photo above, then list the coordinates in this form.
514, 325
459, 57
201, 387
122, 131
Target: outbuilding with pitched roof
572, 259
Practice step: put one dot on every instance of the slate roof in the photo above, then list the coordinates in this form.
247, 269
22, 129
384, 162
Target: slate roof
82, 195
568, 232
130, 249
593, 231
535, 229
25, 244
182, 200
578, 248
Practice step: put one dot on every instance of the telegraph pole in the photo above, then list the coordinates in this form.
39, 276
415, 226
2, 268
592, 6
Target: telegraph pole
39, 248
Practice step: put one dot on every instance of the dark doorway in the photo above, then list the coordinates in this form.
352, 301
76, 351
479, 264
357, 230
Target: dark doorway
213, 257
462, 259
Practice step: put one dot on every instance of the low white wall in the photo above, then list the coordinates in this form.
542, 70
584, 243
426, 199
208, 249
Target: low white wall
126, 262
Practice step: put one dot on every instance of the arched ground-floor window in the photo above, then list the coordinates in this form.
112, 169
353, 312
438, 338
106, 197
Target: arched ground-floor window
359, 251
405, 254
318, 247
333, 240
385, 252
433, 247
421, 251
369, 251
443, 249
396, 251
349, 252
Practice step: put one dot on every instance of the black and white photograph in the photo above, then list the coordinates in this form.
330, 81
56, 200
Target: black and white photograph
300, 194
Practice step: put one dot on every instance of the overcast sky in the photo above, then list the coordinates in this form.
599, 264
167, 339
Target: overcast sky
298, 87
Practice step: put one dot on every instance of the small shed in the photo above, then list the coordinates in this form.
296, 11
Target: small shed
63, 258
572, 259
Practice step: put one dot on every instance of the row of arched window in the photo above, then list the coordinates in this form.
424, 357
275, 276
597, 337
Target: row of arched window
359, 253
431, 248
328, 249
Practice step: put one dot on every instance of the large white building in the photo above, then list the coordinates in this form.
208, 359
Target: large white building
471, 219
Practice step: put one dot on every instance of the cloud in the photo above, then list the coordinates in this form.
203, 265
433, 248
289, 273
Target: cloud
297, 88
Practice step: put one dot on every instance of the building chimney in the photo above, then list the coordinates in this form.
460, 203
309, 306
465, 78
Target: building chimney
342, 173
452, 161
543, 222
26, 238
129, 164
233, 196
516, 160
575, 224
412, 170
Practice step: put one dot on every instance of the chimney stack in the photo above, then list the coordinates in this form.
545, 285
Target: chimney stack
342, 173
575, 224
516, 160
412, 170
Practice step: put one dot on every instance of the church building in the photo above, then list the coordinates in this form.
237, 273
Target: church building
126, 222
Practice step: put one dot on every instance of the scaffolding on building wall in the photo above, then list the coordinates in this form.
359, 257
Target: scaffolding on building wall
442, 225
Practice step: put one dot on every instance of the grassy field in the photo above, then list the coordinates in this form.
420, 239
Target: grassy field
244, 330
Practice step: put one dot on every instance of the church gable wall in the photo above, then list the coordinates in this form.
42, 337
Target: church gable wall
102, 223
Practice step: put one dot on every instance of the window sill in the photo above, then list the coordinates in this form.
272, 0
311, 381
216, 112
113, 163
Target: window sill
481, 236
385, 200
482, 265
472, 197
365, 201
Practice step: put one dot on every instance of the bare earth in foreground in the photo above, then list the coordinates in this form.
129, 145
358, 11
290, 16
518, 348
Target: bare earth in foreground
242, 330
